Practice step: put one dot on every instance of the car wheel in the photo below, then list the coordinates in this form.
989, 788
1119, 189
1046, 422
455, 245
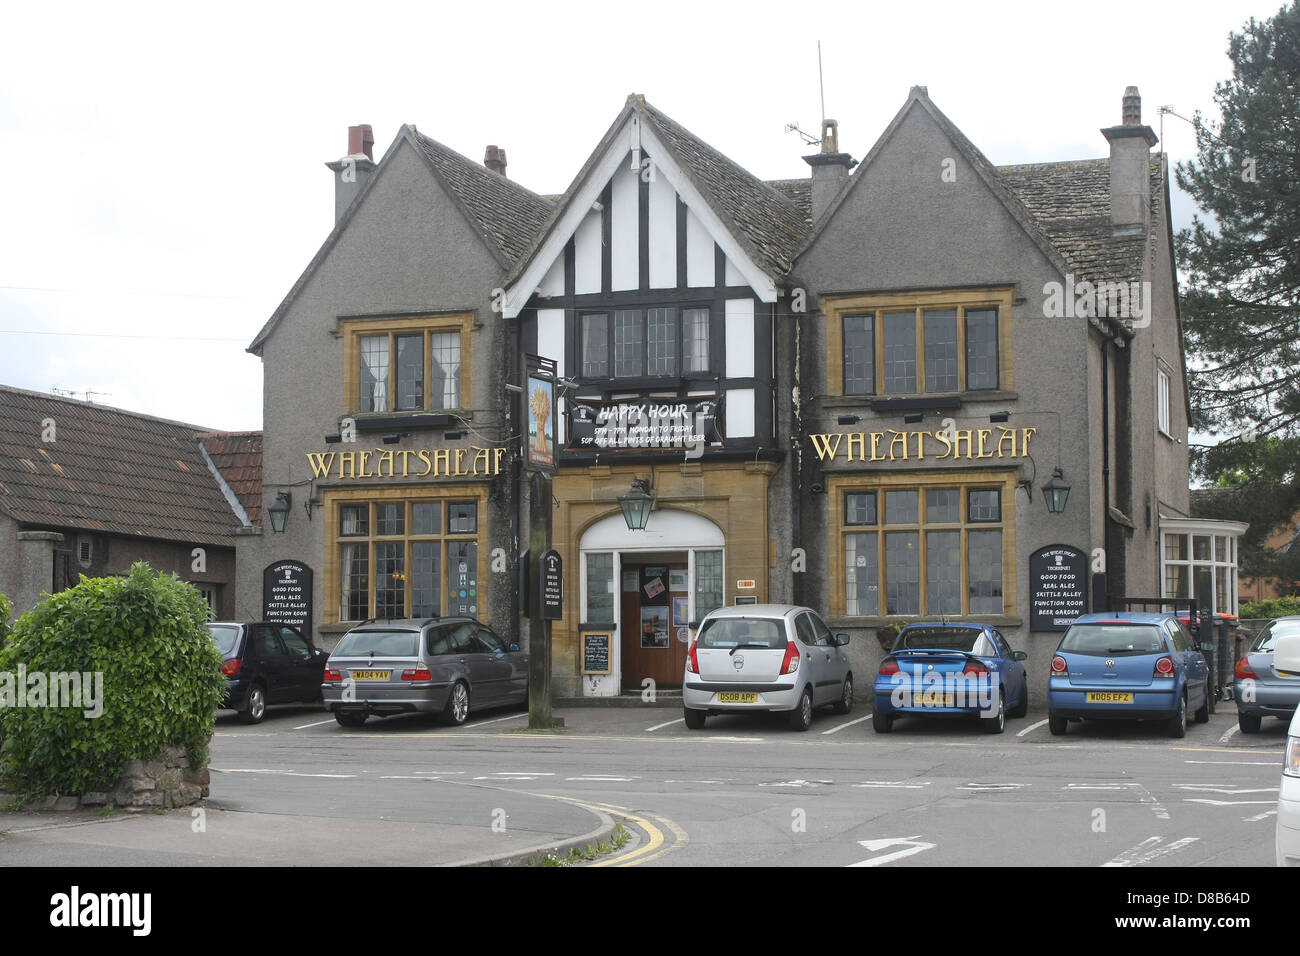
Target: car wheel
801, 716
881, 723
1178, 722
1057, 725
995, 725
254, 705
694, 718
1202, 714
1249, 723
845, 704
1021, 708
457, 708
350, 718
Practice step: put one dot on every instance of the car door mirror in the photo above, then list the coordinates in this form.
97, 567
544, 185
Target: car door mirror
1019, 656
841, 640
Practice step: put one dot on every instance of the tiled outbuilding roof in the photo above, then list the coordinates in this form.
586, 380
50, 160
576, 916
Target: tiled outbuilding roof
107, 470
508, 216
238, 458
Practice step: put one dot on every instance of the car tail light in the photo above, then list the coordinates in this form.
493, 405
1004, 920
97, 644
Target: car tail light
417, 673
1291, 765
231, 667
975, 669
330, 676
692, 662
1059, 667
1244, 671
1164, 667
791, 662
889, 667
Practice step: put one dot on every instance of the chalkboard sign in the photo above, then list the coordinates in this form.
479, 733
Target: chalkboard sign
286, 594
595, 652
1058, 587
551, 585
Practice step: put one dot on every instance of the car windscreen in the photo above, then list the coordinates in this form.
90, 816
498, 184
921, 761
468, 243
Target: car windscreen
224, 637
940, 638
742, 632
378, 644
1109, 640
1272, 631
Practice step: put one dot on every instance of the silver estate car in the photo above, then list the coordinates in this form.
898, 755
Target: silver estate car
766, 657
445, 666
1262, 688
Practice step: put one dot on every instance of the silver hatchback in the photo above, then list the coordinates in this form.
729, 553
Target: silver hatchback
766, 657
440, 666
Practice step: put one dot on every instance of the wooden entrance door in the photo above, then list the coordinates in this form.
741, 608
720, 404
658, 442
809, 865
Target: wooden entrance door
649, 627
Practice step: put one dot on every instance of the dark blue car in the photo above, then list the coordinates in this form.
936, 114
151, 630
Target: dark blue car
950, 670
1124, 665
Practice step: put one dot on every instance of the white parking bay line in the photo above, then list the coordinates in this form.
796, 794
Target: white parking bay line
1259, 816
1032, 727
836, 730
666, 723
600, 778
895, 784
506, 775
317, 724
495, 720
1148, 850
1238, 763
1231, 730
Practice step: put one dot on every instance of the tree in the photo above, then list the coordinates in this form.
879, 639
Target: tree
1241, 301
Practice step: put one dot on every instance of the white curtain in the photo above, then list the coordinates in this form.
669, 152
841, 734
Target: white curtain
374, 365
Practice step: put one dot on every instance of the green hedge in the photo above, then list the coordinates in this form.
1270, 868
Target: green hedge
1270, 608
161, 684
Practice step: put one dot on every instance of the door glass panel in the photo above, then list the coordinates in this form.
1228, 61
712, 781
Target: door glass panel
708, 582
390, 580
426, 596
600, 588
862, 574
462, 577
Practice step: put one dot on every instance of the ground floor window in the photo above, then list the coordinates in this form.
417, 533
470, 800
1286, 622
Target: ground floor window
1200, 563
921, 546
407, 556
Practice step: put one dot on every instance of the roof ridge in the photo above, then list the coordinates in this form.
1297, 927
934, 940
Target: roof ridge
48, 396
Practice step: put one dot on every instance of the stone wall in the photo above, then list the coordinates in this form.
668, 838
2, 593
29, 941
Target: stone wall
165, 782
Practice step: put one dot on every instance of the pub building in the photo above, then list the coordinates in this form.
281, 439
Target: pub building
925, 387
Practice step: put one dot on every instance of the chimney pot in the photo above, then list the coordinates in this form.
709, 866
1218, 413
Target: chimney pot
830, 136
1132, 107
361, 141
495, 159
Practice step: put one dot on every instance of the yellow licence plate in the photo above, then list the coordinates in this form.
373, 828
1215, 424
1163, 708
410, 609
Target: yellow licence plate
371, 675
1109, 697
934, 700
733, 697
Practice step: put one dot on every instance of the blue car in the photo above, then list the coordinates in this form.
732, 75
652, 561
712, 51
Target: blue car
1124, 665
951, 670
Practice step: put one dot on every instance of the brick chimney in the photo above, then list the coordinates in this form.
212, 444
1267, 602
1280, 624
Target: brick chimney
830, 169
495, 159
1130, 167
353, 171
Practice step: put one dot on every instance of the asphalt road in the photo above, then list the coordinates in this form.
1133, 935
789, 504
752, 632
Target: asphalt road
747, 791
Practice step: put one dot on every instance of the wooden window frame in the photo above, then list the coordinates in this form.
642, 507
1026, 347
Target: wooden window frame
836, 308
838, 486
354, 330
443, 495
643, 376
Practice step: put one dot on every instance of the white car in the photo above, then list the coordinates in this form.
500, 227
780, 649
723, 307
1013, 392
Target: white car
1286, 657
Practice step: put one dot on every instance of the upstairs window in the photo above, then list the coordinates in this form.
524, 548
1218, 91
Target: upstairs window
1162, 401
644, 343
411, 365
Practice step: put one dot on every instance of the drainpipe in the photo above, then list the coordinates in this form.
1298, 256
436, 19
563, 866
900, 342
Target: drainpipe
1105, 467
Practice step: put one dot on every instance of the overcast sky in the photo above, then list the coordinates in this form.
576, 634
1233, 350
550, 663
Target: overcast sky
163, 182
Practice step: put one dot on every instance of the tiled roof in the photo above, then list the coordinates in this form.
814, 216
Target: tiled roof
107, 470
238, 457
763, 218
1071, 202
508, 216
799, 192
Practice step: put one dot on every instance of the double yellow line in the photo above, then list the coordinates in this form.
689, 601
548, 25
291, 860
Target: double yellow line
655, 847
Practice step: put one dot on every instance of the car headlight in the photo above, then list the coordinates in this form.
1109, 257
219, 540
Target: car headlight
1291, 762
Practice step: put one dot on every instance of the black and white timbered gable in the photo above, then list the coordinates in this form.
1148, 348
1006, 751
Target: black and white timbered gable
654, 287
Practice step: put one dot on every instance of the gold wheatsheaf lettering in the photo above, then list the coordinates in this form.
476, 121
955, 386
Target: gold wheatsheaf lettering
963, 434
406, 455
385, 457
321, 463
423, 455
1007, 433
984, 434
460, 457
1025, 434
496, 459
442, 456
947, 443
875, 446
362, 471
899, 438
480, 453
824, 447
347, 464
860, 440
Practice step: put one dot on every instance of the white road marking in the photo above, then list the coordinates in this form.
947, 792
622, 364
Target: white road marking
836, 730
1259, 816
991, 787
1230, 803
329, 776
508, 775
909, 844
243, 770
1238, 763
1032, 727
494, 720
699, 781
798, 783
1095, 786
400, 777
442, 773
1227, 790
598, 778
1148, 850
896, 784
667, 723
317, 724
1231, 730
1156, 807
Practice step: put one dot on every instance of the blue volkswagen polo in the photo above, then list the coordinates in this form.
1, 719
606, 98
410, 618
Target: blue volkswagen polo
1124, 665
948, 669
